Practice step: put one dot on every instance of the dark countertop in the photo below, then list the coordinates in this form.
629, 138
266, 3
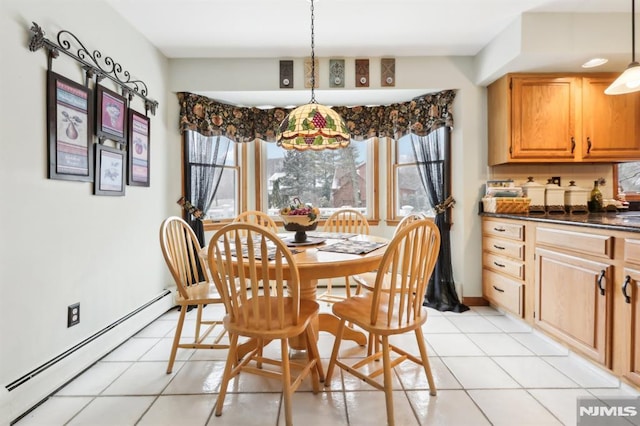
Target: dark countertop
623, 221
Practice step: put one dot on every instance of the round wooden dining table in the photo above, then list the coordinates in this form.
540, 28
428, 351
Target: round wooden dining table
315, 263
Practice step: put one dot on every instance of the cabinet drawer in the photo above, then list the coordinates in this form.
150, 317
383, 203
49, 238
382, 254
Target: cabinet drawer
503, 247
632, 250
503, 291
593, 244
503, 264
503, 229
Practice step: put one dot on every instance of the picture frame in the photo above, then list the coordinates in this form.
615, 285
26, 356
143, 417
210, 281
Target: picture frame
69, 124
110, 171
139, 130
111, 115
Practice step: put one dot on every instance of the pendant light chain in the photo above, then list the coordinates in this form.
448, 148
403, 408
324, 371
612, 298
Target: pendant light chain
313, 60
633, 30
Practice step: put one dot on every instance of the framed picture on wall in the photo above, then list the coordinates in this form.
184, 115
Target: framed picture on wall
111, 114
138, 148
69, 123
110, 170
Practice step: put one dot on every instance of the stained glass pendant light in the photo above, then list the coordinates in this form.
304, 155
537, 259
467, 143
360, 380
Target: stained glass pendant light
629, 80
313, 126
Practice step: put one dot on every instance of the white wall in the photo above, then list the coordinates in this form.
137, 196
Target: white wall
59, 243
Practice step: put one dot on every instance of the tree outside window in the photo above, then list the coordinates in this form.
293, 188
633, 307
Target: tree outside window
329, 179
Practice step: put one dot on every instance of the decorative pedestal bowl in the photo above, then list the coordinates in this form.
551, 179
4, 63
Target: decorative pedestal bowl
300, 225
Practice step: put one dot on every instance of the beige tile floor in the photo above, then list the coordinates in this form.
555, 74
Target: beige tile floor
490, 369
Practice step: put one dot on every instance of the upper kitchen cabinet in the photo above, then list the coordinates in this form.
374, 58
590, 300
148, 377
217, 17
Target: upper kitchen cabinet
611, 124
560, 118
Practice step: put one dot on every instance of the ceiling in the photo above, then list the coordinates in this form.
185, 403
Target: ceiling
343, 28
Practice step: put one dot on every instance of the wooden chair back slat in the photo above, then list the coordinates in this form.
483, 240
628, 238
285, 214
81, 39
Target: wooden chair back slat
257, 217
180, 248
347, 220
266, 301
408, 262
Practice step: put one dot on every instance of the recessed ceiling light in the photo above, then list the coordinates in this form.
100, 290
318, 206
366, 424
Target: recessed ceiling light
595, 62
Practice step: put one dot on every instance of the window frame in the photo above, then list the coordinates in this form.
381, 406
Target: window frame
392, 171
240, 169
373, 158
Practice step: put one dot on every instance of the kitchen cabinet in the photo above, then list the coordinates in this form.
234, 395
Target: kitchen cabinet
611, 129
503, 264
574, 287
560, 118
627, 337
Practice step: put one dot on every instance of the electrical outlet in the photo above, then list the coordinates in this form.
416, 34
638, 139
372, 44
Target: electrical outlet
73, 314
556, 180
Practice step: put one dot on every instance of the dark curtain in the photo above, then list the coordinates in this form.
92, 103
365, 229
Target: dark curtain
433, 162
205, 157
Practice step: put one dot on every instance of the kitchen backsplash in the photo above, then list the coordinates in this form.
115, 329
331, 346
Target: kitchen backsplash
582, 174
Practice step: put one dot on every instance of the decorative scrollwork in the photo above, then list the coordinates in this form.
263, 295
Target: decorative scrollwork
93, 63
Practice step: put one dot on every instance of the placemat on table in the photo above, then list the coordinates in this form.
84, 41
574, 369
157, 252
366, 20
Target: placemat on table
352, 247
333, 235
271, 253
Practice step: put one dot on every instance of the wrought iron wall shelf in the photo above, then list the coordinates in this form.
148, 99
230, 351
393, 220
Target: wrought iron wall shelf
92, 62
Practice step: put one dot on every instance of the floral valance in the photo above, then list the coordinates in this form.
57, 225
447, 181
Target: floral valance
420, 116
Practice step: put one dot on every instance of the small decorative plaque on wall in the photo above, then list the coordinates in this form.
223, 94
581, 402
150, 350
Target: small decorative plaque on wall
286, 74
388, 72
336, 73
307, 73
362, 73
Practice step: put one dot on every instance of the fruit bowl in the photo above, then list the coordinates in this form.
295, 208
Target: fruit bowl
300, 225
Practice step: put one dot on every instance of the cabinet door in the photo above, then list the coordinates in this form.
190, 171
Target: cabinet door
569, 301
632, 323
611, 124
544, 111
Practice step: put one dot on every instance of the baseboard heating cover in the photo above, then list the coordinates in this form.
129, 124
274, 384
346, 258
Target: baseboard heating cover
78, 357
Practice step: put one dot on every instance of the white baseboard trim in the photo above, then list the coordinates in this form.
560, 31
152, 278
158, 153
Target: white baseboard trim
23, 394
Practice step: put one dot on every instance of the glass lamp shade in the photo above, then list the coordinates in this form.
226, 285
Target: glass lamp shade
313, 126
627, 82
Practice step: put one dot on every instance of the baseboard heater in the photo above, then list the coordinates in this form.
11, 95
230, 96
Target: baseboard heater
16, 383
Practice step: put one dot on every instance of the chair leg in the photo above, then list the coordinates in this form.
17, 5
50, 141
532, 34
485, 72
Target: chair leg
198, 322
347, 286
176, 338
226, 376
425, 362
286, 382
334, 353
388, 382
313, 354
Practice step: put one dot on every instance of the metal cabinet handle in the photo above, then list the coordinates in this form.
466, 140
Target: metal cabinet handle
498, 247
499, 229
573, 144
627, 280
600, 278
498, 289
499, 265
588, 145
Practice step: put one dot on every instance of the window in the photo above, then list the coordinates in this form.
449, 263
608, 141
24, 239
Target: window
329, 179
628, 181
213, 170
407, 193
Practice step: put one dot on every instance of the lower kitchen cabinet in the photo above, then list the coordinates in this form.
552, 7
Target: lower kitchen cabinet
572, 301
628, 332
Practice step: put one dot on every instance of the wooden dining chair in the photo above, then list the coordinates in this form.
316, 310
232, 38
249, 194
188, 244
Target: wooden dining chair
261, 315
409, 260
257, 217
180, 248
346, 221
366, 281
